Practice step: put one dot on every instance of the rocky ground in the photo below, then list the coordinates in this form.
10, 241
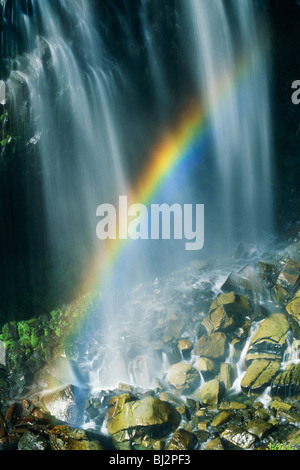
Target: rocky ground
212, 364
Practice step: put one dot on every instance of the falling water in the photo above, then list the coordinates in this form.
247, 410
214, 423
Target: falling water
231, 68
83, 121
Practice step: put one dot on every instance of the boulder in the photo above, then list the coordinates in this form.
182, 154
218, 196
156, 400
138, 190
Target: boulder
287, 282
214, 346
185, 346
183, 377
259, 375
66, 438
293, 309
245, 281
227, 374
237, 302
150, 416
182, 440
61, 403
210, 392
269, 341
239, 437
214, 444
287, 382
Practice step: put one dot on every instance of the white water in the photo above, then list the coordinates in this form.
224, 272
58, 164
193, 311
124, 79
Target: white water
231, 68
77, 105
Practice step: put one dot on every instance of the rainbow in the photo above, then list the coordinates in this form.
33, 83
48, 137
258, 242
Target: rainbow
179, 147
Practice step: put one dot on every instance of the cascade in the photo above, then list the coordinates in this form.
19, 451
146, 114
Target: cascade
96, 130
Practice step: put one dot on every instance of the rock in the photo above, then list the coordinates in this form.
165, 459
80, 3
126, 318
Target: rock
293, 309
207, 367
238, 437
185, 346
32, 441
269, 342
214, 444
289, 276
169, 347
238, 303
280, 406
287, 282
182, 440
214, 346
245, 281
293, 417
150, 416
66, 438
287, 382
210, 392
232, 405
61, 404
258, 427
259, 375
183, 377
227, 374
221, 418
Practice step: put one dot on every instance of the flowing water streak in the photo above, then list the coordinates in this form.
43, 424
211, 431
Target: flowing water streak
241, 129
73, 92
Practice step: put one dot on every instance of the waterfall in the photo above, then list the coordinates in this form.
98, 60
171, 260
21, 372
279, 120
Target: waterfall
96, 109
229, 61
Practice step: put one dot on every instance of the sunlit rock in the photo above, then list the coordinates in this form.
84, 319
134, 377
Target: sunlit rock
61, 404
183, 377
210, 392
259, 375
214, 346
293, 309
238, 437
269, 342
214, 444
287, 382
66, 438
150, 416
182, 440
287, 282
185, 346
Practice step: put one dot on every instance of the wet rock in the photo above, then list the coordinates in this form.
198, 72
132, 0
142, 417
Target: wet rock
287, 382
227, 374
32, 441
185, 346
182, 440
210, 392
293, 417
207, 367
61, 403
293, 309
66, 438
287, 282
221, 418
245, 281
259, 375
269, 342
214, 346
238, 303
149, 416
214, 444
183, 377
170, 348
259, 427
238, 437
